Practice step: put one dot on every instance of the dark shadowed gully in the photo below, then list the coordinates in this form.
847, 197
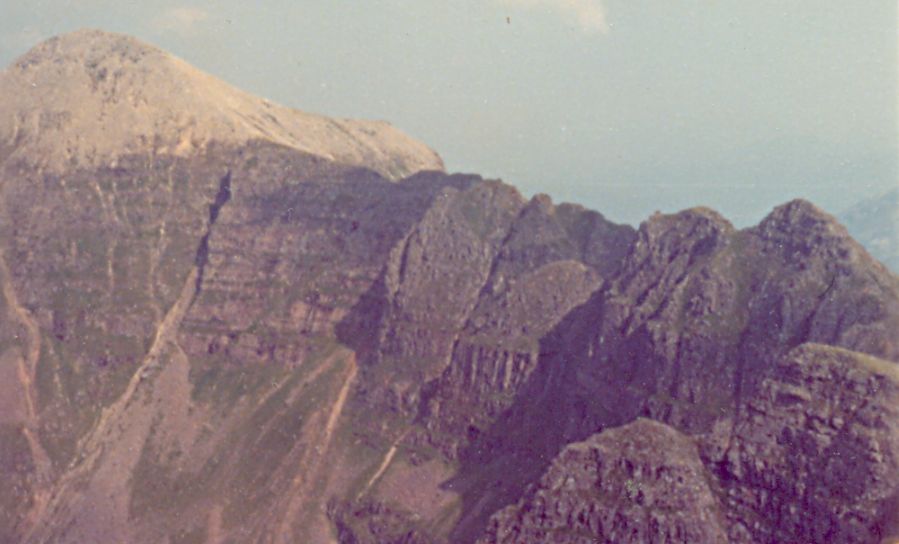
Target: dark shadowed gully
251, 324
202, 259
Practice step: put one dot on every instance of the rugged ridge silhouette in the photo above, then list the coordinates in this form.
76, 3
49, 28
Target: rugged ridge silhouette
227, 321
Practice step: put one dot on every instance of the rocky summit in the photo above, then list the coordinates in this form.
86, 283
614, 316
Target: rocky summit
227, 321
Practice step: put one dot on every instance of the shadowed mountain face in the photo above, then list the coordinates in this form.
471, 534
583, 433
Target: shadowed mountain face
293, 329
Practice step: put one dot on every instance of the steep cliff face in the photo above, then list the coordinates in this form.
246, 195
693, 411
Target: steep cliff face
811, 457
685, 329
690, 325
699, 307
814, 456
226, 321
433, 279
551, 261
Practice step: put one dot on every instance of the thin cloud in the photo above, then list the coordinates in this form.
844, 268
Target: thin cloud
180, 20
589, 15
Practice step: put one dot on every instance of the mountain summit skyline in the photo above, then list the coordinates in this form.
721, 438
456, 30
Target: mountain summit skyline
222, 320
738, 108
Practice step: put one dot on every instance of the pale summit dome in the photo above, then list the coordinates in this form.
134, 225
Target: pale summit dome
87, 97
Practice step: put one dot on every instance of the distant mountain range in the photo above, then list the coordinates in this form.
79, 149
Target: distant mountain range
228, 321
875, 223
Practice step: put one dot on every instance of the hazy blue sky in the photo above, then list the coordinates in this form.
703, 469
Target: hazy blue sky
624, 106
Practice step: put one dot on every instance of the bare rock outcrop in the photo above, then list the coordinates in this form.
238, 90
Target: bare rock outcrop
814, 456
642, 482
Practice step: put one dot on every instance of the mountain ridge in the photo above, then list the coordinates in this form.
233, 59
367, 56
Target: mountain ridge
249, 342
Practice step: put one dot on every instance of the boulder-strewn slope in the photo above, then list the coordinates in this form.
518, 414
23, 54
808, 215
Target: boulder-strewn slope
275, 333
